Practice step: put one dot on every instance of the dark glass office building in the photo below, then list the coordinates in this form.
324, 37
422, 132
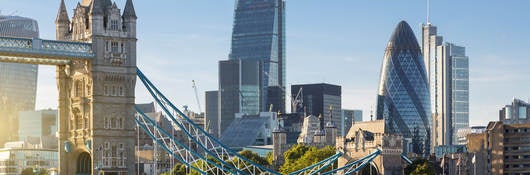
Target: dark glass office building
259, 34
317, 100
239, 89
403, 97
211, 119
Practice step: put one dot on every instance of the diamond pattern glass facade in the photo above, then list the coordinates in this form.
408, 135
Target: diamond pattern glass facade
403, 97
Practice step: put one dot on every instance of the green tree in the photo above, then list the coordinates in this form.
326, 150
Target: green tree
178, 169
420, 167
300, 156
295, 153
254, 157
269, 157
181, 169
27, 171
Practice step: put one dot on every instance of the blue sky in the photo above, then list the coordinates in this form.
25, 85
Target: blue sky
337, 41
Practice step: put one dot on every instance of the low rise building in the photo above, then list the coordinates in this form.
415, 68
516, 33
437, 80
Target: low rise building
463, 132
14, 160
502, 148
247, 130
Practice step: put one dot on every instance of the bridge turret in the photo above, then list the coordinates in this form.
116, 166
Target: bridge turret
129, 19
96, 109
97, 16
62, 23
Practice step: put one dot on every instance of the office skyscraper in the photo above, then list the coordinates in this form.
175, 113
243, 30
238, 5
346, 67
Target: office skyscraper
212, 113
451, 82
448, 70
430, 40
253, 79
239, 89
403, 97
259, 34
18, 82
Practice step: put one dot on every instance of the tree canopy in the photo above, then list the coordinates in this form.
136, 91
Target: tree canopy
181, 169
420, 167
301, 156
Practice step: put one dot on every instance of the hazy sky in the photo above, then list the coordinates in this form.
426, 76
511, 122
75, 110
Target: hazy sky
334, 41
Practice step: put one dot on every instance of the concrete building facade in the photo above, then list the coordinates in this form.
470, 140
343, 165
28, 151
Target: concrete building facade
504, 146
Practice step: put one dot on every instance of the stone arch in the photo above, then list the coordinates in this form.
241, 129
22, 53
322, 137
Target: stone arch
83, 164
370, 169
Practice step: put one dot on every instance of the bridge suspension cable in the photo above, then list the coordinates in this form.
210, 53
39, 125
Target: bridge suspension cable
225, 161
354, 166
205, 141
175, 148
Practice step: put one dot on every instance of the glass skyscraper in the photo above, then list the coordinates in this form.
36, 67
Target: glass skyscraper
259, 34
253, 79
403, 97
451, 82
448, 70
18, 82
239, 89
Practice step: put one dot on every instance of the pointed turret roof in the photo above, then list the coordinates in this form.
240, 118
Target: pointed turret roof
403, 38
96, 7
62, 14
99, 7
129, 9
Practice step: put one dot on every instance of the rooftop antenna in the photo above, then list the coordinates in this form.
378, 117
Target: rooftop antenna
428, 12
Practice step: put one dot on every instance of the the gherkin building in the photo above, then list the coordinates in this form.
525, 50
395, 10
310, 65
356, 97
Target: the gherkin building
403, 96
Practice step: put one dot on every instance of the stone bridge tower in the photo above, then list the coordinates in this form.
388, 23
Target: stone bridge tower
96, 97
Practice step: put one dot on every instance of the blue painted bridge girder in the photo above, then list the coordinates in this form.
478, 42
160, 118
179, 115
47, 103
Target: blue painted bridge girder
39, 51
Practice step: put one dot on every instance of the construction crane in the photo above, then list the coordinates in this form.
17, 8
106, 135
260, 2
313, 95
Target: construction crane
298, 101
196, 96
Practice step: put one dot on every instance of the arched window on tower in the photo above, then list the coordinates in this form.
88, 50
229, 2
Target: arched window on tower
120, 123
112, 123
78, 88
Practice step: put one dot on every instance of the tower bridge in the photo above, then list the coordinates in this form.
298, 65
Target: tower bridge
95, 58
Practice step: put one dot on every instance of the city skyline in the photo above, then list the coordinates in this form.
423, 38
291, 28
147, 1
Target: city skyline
493, 82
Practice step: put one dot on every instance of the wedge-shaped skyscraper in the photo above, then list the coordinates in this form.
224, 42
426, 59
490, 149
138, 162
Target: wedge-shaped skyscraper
403, 97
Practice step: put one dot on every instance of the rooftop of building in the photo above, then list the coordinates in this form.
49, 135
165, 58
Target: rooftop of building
244, 131
374, 126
